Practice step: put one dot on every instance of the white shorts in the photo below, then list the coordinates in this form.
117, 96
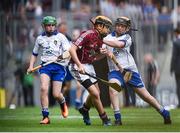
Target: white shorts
82, 77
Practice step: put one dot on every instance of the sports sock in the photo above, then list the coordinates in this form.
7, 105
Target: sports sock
117, 115
165, 113
103, 116
45, 112
85, 108
62, 101
161, 109
77, 103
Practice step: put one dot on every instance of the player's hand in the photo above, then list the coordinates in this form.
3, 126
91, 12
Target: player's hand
29, 70
127, 75
81, 69
103, 50
110, 54
106, 52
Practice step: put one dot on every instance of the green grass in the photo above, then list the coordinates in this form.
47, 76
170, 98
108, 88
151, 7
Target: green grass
134, 119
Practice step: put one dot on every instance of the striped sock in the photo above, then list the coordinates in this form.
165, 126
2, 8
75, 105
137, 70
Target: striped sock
62, 101
85, 108
103, 116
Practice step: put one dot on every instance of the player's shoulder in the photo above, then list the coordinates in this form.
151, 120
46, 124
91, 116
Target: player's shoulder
40, 39
111, 35
125, 36
88, 32
60, 34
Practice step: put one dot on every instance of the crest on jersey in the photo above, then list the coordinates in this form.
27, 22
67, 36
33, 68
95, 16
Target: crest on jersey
55, 42
116, 51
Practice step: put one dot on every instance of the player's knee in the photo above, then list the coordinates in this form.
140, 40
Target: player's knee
56, 95
91, 88
95, 94
44, 89
113, 92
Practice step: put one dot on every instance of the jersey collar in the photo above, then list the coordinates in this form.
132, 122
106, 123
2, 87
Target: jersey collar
53, 33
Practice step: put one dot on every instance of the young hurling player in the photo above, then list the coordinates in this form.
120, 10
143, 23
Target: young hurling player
119, 43
52, 44
83, 52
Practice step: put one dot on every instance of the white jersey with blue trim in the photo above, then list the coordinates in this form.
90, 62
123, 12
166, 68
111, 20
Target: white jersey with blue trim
122, 55
51, 47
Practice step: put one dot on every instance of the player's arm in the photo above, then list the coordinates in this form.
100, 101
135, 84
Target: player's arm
74, 54
33, 56
32, 62
104, 50
75, 58
114, 43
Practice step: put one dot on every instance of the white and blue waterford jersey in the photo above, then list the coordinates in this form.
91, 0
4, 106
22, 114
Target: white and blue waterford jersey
51, 47
122, 55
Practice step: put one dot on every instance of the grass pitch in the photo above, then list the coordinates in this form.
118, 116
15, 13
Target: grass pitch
134, 119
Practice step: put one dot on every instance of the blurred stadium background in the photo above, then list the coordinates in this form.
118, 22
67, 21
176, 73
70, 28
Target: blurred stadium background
20, 23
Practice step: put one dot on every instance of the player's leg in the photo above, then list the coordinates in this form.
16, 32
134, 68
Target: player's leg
114, 97
106, 121
144, 94
140, 89
79, 92
57, 79
66, 86
115, 76
44, 78
84, 110
60, 98
89, 101
94, 97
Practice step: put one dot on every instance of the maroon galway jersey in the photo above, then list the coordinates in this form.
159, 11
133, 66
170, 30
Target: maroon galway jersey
89, 44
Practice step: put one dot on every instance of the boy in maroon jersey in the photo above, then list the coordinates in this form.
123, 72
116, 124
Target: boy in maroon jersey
84, 51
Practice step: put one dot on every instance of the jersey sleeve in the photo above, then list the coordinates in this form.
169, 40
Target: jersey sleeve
126, 39
108, 37
81, 40
36, 47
